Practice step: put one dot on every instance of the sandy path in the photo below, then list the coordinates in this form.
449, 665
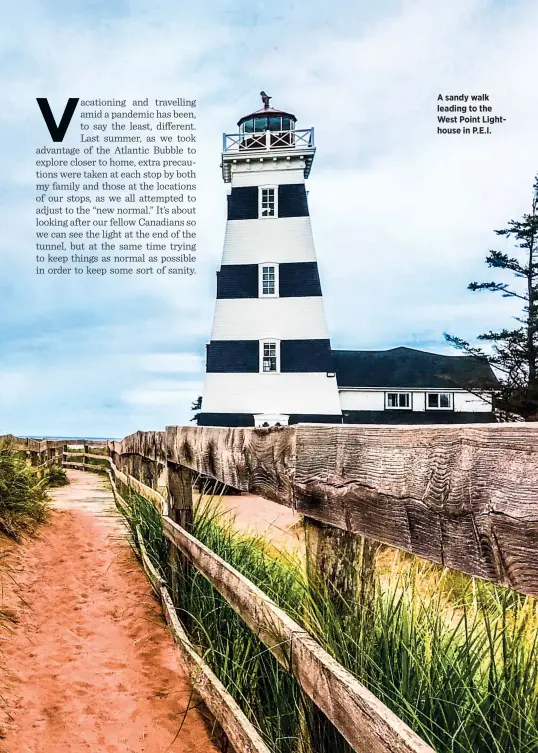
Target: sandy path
278, 524
90, 665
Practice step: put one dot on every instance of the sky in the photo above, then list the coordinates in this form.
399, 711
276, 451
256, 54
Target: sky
402, 217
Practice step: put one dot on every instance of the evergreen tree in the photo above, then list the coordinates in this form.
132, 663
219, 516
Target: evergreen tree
513, 353
196, 406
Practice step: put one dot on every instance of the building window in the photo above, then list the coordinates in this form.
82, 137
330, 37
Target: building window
267, 201
268, 280
398, 400
269, 356
439, 401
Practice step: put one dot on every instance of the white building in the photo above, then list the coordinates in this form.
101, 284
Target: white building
407, 386
270, 360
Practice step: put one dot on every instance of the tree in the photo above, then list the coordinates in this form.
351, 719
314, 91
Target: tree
196, 406
513, 353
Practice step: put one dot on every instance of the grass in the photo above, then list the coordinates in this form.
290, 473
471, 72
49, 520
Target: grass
99, 451
23, 498
100, 466
459, 663
56, 476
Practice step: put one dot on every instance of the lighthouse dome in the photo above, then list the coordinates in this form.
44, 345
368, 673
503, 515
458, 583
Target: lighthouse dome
267, 119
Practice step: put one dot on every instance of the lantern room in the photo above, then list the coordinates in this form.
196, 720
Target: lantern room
267, 130
267, 119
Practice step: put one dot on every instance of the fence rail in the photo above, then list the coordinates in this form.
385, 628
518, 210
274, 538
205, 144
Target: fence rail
462, 496
43, 453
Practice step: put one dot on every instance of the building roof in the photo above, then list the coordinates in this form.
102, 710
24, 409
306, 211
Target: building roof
402, 368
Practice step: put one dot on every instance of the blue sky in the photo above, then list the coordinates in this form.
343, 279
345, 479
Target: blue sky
402, 218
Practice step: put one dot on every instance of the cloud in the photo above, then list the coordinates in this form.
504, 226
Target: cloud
167, 393
13, 385
173, 363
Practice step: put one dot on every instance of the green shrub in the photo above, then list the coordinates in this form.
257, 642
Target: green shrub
56, 476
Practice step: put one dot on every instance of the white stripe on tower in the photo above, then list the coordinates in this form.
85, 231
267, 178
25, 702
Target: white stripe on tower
283, 318
283, 239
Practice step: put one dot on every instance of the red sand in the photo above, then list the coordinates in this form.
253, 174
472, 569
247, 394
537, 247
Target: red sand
278, 524
90, 665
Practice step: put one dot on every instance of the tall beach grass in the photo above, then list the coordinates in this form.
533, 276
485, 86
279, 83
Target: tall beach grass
458, 663
23, 498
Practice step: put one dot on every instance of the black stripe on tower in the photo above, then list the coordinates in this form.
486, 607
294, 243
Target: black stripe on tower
247, 419
238, 281
243, 202
296, 280
292, 200
225, 419
243, 356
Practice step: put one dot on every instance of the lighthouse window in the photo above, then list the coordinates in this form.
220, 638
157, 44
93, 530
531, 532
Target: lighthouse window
267, 201
268, 281
269, 356
398, 400
260, 124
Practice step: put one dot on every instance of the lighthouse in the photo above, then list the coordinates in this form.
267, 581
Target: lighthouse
269, 359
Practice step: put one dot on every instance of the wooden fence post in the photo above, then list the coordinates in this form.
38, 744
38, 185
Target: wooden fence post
161, 483
84, 458
341, 561
180, 480
341, 567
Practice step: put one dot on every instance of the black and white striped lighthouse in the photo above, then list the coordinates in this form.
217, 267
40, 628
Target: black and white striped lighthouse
269, 360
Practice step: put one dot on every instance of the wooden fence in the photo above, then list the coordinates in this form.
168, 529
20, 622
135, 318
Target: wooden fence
43, 453
462, 496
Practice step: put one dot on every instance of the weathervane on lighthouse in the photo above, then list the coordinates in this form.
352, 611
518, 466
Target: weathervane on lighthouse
269, 360
265, 99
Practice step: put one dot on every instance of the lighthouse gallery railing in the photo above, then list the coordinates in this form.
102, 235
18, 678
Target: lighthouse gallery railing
267, 140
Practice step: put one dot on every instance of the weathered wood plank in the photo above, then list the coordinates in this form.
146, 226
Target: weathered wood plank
360, 717
42, 444
260, 461
152, 495
85, 466
153, 576
464, 496
104, 458
180, 508
121, 504
239, 730
241, 733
